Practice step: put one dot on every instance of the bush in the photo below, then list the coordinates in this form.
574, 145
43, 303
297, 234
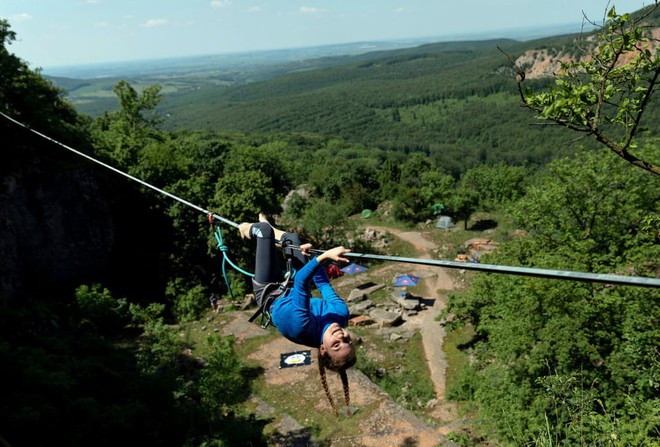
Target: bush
99, 309
146, 315
188, 302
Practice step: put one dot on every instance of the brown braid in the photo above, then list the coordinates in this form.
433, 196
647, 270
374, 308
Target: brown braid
324, 362
347, 395
324, 382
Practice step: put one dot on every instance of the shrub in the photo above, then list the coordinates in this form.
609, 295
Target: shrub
99, 309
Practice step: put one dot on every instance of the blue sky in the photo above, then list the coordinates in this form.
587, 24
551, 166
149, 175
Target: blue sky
70, 32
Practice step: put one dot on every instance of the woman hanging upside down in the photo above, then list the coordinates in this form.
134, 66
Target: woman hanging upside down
313, 322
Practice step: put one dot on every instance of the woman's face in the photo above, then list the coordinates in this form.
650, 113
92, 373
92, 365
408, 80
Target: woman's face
337, 343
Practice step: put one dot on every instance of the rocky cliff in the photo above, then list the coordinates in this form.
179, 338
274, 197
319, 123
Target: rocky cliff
545, 62
55, 227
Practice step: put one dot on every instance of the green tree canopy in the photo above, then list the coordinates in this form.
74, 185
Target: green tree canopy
124, 133
542, 343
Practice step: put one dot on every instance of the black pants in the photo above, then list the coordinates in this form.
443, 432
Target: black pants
268, 269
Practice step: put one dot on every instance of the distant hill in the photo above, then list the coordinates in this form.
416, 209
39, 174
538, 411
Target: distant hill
89, 86
248, 61
264, 58
456, 101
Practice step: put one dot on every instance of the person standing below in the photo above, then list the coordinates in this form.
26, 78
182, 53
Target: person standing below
215, 305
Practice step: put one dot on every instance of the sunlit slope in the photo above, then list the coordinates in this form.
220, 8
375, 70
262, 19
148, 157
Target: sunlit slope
457, 100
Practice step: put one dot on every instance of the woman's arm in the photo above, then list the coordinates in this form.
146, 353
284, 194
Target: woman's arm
313, 269
323, 282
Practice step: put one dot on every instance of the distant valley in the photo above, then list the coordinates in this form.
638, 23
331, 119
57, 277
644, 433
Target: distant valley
89, 87
456, 101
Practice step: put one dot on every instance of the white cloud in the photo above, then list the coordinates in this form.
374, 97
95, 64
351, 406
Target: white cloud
220, 3
310, 10
401, 10
254, 9
101, 24
21, 17
155, 22
92, 2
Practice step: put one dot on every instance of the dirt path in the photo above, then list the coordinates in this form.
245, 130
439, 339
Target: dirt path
434, 285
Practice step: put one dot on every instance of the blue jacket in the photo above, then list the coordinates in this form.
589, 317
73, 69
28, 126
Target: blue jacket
303, 319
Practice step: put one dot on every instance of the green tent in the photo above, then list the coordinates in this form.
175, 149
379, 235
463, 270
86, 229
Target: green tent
366, 214
445, 222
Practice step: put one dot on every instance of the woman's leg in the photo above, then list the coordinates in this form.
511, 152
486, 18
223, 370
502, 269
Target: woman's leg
297, 258
284, 239
267, 267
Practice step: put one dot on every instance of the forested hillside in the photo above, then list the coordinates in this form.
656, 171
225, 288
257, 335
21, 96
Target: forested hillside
456, 102
91, 350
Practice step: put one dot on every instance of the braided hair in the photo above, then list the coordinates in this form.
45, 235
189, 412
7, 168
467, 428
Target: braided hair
325, 362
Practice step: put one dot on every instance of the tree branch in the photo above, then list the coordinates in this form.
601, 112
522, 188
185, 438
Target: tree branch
645, 101
619, 36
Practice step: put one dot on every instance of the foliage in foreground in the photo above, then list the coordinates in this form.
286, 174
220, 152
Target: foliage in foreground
562, 362
80, 376
606, 94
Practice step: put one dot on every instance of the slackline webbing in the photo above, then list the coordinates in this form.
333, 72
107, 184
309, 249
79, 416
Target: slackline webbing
520, 271
490, 268
142, 182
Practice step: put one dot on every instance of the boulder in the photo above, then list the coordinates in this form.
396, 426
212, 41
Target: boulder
356, 296
362, 292
385, 318
406, 301
360, 320
362, 307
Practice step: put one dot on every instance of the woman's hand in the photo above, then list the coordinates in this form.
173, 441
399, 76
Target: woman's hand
336, 254
304, 249
244, 229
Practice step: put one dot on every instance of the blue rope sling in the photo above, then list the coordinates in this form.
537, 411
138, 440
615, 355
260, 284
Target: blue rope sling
225, 257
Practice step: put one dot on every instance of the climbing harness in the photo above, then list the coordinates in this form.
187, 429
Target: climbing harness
489, 268
269, 294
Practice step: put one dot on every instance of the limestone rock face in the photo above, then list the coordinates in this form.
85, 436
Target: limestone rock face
55, 225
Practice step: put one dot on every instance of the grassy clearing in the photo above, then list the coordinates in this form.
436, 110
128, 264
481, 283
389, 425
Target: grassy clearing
250, 345
301, 402
403, 364
457, 359
451, 242
481, 225
195, 333
397, 247
399, 368
377, 219
303, 405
